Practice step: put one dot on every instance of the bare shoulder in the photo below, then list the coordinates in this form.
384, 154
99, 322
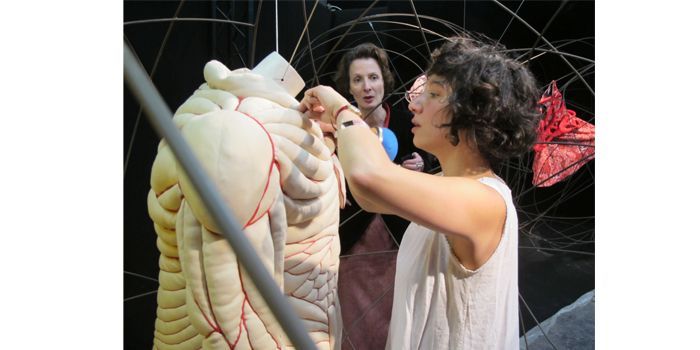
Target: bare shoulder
484, 228
449, 204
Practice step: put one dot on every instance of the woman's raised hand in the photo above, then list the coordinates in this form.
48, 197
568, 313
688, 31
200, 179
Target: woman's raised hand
322, 102
414, 163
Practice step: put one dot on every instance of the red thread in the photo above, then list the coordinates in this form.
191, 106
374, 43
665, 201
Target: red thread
215, 328
215, 324
242, 322
245, 300
252, 219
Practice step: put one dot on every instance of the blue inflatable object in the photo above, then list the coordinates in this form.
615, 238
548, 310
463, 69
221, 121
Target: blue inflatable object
390, 143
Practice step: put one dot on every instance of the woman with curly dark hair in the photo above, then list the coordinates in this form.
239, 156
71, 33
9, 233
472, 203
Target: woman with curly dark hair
456, 283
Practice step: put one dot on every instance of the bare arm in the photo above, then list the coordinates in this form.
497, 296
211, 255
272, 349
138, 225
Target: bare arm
453, 205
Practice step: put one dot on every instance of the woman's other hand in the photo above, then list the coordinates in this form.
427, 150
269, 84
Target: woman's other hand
415, 163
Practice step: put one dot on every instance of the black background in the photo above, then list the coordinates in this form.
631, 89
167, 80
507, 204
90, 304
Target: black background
190, 44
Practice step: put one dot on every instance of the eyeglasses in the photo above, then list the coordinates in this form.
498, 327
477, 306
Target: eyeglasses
412, 96
419, 89
414, 93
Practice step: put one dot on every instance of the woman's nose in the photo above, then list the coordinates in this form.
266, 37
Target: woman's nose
366, 85
414, 106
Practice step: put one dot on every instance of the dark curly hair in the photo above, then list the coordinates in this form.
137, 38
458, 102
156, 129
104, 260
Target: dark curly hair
365, 50
493, 98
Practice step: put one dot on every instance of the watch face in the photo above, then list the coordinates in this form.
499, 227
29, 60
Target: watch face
353, 122
350, 108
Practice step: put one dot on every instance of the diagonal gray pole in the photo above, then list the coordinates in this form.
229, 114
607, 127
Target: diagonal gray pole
159, 115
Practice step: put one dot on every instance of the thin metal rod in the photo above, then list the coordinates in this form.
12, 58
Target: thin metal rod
509, 22
133, 131
413, 6
308, 40
233, 36
159, 116
140, 275
306, 25
560, 250
391, 62
277, 31
351, 216
564, 143
140, 295
408, 27
369, 253
536, 321
251, 14
522, 326
153, 72
213, 30
352, 44
582, 160
585, 59
228, 19
548, 43
255, 34
391, 234
156, 20
354, 23
375, 19
369, 308
551, 19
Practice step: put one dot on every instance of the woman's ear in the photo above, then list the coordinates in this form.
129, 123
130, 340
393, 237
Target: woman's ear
469, 137
466, 136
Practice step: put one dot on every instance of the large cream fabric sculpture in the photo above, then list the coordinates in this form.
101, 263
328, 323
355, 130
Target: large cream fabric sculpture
283, 185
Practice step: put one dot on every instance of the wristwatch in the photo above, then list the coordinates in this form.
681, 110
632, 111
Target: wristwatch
349, 123
350, 108
352, 122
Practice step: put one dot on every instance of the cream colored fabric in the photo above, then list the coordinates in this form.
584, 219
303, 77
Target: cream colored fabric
439, 304
282, 183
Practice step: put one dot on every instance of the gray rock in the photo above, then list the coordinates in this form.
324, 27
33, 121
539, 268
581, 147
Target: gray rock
571, 328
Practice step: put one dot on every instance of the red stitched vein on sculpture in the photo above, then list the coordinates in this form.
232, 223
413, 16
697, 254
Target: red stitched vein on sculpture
214, 327
311, 244
214, 324
243, 323
273, 162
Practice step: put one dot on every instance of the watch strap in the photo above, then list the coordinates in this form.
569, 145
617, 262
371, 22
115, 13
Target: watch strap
350, 108
352, 122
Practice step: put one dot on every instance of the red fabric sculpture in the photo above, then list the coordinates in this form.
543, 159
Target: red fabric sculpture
564, 142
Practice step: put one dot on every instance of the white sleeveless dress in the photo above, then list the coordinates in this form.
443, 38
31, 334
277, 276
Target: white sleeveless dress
440, 304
